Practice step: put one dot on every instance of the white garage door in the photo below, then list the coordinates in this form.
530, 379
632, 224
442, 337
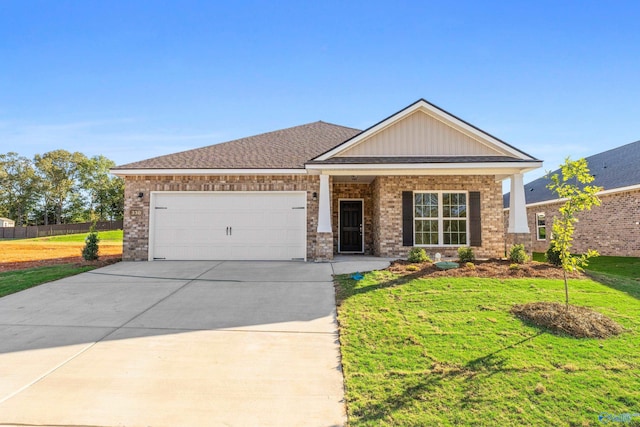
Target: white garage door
228, 226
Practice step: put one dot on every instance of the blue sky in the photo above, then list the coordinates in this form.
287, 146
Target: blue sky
136, 79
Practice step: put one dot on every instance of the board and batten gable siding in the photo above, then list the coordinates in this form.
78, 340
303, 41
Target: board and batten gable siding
420, 134
390, 219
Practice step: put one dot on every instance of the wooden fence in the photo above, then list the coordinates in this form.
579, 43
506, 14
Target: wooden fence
55, 230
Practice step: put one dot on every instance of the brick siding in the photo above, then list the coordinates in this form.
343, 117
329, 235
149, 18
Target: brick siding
610, 228
382, 208
387, 212
136, 228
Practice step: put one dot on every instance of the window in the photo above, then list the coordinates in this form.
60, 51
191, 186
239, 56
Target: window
440, 219
541, 226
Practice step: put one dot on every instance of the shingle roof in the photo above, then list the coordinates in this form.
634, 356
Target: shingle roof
612, 169
282, 149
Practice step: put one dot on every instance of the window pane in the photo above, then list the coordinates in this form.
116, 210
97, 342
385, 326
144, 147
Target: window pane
454, 205
455, 232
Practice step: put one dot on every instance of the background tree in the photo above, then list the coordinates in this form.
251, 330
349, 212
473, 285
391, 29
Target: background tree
572, 186
18, 187
59, 170
105, 192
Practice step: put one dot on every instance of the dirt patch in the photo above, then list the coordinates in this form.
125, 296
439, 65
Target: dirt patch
500, 269
77, 260
579, 322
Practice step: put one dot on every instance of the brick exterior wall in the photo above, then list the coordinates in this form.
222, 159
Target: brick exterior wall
382, 208
342, 190
610, 228
387, 212
136, 228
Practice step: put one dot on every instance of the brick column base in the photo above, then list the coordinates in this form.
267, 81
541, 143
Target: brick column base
324, 247
519, 239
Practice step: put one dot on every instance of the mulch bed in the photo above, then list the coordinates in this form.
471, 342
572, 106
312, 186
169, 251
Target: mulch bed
579, 322
77, 261
482, 268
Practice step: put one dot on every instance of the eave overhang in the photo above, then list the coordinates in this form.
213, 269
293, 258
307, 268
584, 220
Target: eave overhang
205, 172
501, 170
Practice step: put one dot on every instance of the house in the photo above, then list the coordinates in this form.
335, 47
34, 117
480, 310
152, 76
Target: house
6, 222
613, 228
420, 177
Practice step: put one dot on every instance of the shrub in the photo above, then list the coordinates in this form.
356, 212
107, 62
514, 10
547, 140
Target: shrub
518, 255
514, 267
90, 250
412, 267
418, 255
470, 266
552, 255
465, 254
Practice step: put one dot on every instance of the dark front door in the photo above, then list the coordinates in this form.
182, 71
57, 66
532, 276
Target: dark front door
351, 226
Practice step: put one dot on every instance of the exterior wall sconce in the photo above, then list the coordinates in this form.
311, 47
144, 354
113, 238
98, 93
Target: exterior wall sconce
140, 195
314, 196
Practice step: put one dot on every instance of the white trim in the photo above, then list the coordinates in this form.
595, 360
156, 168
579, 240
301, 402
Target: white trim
437, 114
152, 201
538, 227
427, 168
600, 193
324, 206
441, 219
191, 172
361, 219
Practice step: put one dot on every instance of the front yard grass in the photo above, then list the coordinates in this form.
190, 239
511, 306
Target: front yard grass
16, 281
446, 351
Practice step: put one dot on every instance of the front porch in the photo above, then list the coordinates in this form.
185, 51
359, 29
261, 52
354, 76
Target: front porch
376, 215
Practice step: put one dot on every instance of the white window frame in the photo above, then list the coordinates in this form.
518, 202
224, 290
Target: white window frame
538, 227
440, 218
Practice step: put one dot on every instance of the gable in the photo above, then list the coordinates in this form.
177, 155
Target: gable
421, 134
424, 130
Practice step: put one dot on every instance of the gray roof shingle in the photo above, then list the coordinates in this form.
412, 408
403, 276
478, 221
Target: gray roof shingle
287, 148
616, 168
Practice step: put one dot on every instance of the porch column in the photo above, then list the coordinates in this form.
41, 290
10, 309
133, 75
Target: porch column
324, 206
324, 236
517, 206
518, 230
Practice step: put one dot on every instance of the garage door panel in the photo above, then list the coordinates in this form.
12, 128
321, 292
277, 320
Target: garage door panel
262, 226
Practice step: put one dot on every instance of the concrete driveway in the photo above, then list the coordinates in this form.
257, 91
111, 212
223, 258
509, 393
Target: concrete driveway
175, 344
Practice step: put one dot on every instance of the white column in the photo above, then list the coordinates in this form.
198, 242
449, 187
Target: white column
517, 206
324, 208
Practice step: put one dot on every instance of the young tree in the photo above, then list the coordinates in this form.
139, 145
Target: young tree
572, 187
18, 187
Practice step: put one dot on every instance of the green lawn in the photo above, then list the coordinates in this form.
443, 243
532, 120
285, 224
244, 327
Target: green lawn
105, 236
446, 351
16, 281
615, 265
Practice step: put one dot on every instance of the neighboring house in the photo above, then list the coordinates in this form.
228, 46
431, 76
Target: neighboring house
421, 177
6, 222
613, 228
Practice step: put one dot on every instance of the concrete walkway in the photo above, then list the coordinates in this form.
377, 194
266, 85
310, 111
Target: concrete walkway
176, 344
